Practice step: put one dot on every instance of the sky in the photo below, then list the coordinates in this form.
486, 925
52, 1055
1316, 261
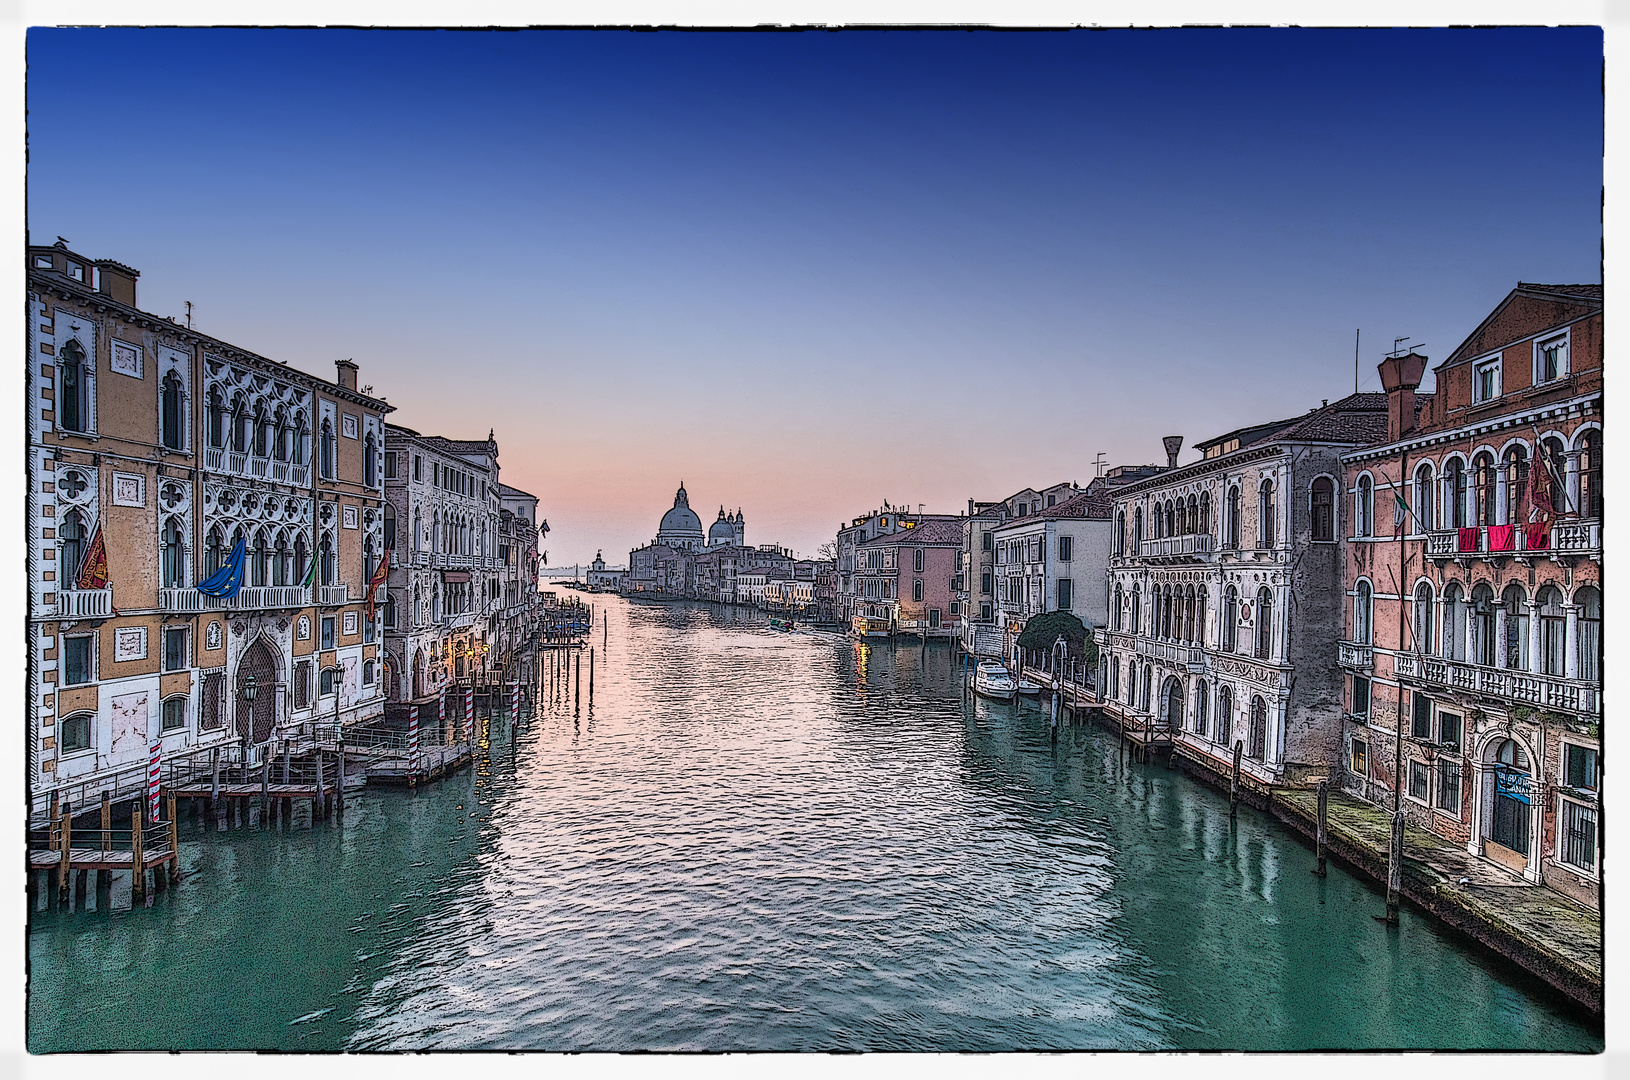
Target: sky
808, 272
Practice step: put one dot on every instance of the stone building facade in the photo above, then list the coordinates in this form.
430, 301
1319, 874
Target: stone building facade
163, 448
1473, 602
1222, 596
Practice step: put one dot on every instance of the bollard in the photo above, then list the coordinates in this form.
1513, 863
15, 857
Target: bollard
138, 872
265, 787
215, 777
1233, 782
175, 840
1395, 869
107, 821
67, 846
1319, 833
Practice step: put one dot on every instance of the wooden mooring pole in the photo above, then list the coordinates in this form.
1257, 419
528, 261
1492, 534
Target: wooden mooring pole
138, 871
591, 674
1395, 869
63, 896
1319, 832
1233, 782
175, 839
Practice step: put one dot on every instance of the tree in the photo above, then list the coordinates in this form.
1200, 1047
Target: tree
827, 552
1043, 630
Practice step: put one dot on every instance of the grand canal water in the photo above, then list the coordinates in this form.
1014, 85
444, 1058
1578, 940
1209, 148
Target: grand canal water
760, 840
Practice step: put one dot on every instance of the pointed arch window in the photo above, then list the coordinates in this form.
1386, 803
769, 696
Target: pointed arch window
1265, 515
1200, 709
1264, 624
71, 540
173, 555
1230, 619
1115, 612
1364, 614
1257, 746
282, 560
215, 418
1137, 530
370, 468
260, 559
72, 378
1425, 519
1456, 495
301, 559
1225, 715
325, 560
1233, 517
1552, 637
1364, 508
1424, 623
214, 551
1205, 513
326, 449
172, 429
1452, 641
300, 441
280, 434
263, 429
240, 424
1324, 508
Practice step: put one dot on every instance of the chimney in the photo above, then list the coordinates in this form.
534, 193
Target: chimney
345, 373
1173, 444
117, 281
1400, 375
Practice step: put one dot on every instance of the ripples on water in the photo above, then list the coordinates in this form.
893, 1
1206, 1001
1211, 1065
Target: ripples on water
759, 840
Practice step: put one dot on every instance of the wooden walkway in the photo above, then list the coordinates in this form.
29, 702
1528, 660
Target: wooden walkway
434, 763
97, 859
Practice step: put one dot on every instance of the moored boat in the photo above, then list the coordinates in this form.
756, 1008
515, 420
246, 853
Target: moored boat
991, 680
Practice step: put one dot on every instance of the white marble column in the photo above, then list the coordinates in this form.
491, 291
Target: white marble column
1502, 504
1570, 647
1499, 636
1468, 654
1570, 469
1533, 635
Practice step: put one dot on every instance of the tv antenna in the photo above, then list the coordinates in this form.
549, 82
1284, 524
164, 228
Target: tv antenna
189, 313
1098, 464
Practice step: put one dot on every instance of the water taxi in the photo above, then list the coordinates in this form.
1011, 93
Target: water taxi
991, 680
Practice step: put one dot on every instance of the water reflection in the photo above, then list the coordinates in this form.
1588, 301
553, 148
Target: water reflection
753, 839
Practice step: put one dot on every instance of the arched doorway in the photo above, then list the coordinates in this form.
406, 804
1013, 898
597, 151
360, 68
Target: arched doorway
256, 720
418, 675
1171, 696
1508, 809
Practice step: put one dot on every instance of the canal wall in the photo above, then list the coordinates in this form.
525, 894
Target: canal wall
1533, 927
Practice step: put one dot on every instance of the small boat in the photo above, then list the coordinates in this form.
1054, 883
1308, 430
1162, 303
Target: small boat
991, 680
1029, 689
780, 624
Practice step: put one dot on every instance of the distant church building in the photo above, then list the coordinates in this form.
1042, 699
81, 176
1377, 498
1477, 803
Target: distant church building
658, 566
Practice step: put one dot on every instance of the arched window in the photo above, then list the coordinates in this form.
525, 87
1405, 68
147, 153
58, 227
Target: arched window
1194, 515
1257, 747
1516, 484
370, 469
1424, 622
1552, 651
260, 560
73, 406
1425, 519
1205, 513
1590, 474
1225, 715
1264, 624
1137, 613
173, 556
1483, 476
301, 559
1158, 525
1364, 508
215, 418
368, 558
1515, 602
172, 431
214, 551
390, 527
1120, 533
263, 429
280, 434
282, 561
1589, 602
71, 540
327, 449
1364, 614
1230, 619
1456, 514
1115, 609
1137, 530
1324, 509
297, 447
1453, 641
1188, 614
1483, 623
1183, 526
1148, 679
1265, 515
1200, 724
1233, 517
240, 424
325, 561
418, 528
1200, 616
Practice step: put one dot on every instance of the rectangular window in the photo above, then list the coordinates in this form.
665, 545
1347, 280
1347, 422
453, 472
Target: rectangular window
1449, 786
74, 733
1361, 697
175, 713
956, 608
1066, 548
390, 466
325, 682
1361, 757
1580, 766
175, 648
77, 655
1552, 360
209, 713
302, 684
984, 612
1065, 598
1486, 381
1421, 718
984, 541
1578, 835
1449, 729
328, 632
984, 584
917, 559
1419, 780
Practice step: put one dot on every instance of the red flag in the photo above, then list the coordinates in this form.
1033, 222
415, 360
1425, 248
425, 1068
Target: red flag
93, 573
1540, 503
380, 573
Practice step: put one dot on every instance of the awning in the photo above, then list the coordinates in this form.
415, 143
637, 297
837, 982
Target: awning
455, 577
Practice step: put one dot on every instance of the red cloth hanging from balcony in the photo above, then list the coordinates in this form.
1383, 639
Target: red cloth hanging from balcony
1467, 539
1537, 535
1502, 537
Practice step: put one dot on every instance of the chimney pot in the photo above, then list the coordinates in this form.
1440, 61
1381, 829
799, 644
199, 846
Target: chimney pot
1400, 375
1173, 444
116, 281
345, 373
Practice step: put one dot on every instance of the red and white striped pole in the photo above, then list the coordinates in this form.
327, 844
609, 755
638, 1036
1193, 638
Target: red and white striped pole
152, 781
441, 713
413, 739
515, 702
469, 711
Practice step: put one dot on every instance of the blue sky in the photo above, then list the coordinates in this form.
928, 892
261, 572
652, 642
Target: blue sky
805, 272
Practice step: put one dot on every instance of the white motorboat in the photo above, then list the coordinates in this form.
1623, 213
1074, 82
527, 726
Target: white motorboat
991, 680
1029, 689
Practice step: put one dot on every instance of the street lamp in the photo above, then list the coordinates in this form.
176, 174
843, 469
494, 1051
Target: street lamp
250, 689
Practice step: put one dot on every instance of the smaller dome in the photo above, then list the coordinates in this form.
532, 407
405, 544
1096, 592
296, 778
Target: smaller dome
721, 531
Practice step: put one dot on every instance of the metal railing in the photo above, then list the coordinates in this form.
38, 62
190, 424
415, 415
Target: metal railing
1523, 687
84, 603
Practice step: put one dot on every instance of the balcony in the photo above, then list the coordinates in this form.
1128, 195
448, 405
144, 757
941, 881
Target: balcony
1518, 687
186, 601
1566, 538
330, 595
1180, 653
84, 603
1350, 654
1190, 546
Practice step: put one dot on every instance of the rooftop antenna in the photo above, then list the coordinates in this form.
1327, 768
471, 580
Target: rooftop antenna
1356, 334
189, 313
1098, 463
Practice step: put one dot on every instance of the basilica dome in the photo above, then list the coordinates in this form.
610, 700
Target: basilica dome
722, 531
680, 526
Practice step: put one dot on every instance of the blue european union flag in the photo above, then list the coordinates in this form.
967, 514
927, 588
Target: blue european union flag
226, 581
